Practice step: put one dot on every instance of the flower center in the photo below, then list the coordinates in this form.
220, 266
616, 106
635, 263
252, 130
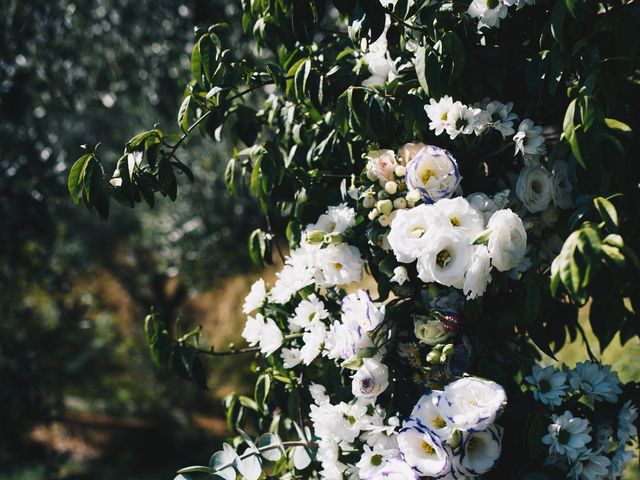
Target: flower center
454, 221
338, 266
417, 230
563, 436
493, 3
376, 460
472, 445
427, 448
426, 175
443, 258
443, 117
439, 422
544, 386
367, 385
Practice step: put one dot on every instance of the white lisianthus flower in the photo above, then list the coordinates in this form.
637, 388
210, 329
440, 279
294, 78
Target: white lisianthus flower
427, 414
370, 380
461, 215
561, 191
590, 465
332, 422
408, 151
381, 166
308, 312
529, 140
359, 312
256, 297
400, 275
507, 240
568, 435
596, 381
430, 332
462, 120
478, 275
472, 403
410, 231
344, 342
488, 12
534, 188
423, 450
438, 113
484, 204
433, 172
271, 337
549, 384
445, 258
339, 265
501, 117
626, 422
395, 469
481, 450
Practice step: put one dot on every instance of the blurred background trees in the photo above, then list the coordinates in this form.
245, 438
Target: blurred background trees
74, 289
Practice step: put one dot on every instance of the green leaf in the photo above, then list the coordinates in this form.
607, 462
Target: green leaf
196, 63
618, 126
608, 213
229, 176
570, 133
260, 247
76, 174
183, 114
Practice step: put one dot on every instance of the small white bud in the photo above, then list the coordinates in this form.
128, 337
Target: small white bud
382, 195
373, 214
413, 197
385, 206
368, 201
400, 171
391, 187
384, 220
400, 203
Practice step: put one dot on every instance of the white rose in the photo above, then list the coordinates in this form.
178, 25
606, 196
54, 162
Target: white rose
381, 165
410, 231
478, 275
434, 173
534, 188
408, 151
371, 379
507, 240
561, 191
481, 450
462, 215
430, 332
445, 258
472, 403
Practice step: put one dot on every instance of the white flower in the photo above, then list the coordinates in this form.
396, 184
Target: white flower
529, 140
484, 204
462, 120
370, 380
438, 113
290, 357
589, 466
619, 462
561, 191
568, 435
343, 341
308, 312
427, 414
253, 329
378, 60
430, 332
433, 172
507, 240
332, 421
395, 469
381, 166
409, 150
549, 384
359, 312
596, 381
626, 422
271, 337
256, 297
423, 450
337, 219
489, 12
313, 340
445, 258
472, 403
410, 231
481, 450
318, 393
339, 265
462, 215
478, 274
534, 188
501, 117
374, 460
400, 275
297, 273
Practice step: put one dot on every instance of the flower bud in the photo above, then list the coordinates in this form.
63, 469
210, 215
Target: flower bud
333, 238
373, 214
368, 201
400, 171
430, 332
382, 195
352, 363
315, 237
413, 197
454, 439
385, 206
371, 175
384, 220
371, 379
448, 349
400, 203
433, 357
391, 187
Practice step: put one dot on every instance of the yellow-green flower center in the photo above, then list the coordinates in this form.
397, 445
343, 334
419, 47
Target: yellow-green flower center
443, 258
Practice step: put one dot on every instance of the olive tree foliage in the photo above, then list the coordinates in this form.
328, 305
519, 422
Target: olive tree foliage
300, 121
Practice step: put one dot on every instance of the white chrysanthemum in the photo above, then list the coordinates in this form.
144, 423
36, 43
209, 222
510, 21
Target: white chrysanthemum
313, 340
423, 450
501, 117
478, 274
433, 172
529, 140
400, 275
290, 357
507, 240
256, 297
549, 385
395, 469
411, 229
445, 258
596, 381
332, 421
337, 219
488, 12
568, 435
619, 461
561, 192
626, 422
381, 166
462, 120
462, 215
481, 450
318, 393
370, 380
438, 113
339, 265
359, 312
589, 465
308, 312
253, 329
484, 204
297, 273
534, 188
373, 461
472, 403
427, 414
271, 337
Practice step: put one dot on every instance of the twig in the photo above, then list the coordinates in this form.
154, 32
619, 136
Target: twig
275, 239
586, 342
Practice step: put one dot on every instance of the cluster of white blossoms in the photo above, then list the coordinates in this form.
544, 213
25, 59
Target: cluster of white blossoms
490, 12
584, 449
449, 434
